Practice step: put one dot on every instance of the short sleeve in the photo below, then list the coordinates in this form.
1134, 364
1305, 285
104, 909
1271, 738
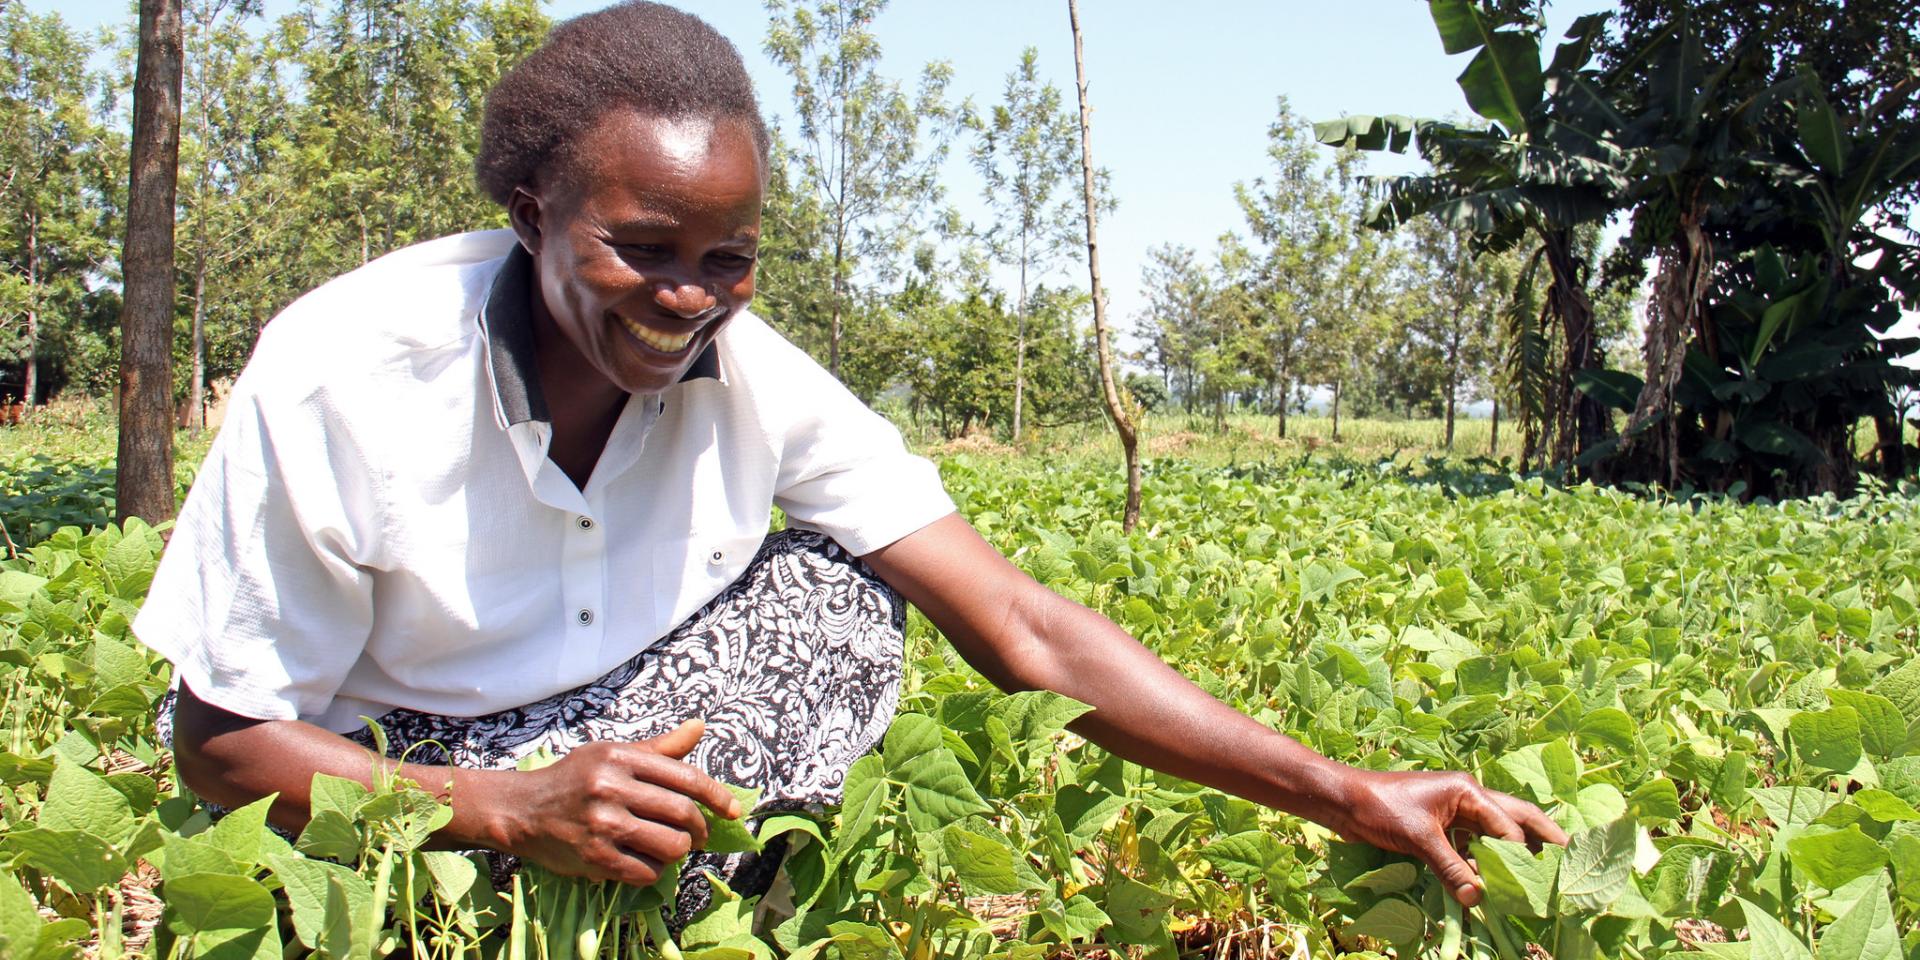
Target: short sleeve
845, 472
260, 600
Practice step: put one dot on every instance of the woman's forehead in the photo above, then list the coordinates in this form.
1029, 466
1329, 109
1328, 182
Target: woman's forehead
706, 162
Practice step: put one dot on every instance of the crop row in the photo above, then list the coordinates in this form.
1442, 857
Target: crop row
1719, 702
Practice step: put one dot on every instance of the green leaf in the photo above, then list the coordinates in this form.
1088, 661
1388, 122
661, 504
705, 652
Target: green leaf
326, 898
1458, 24
80, 860
238, 833
1395, 921
1518, 882
1614, 388
332, 835
1883, 730
1885, 807
220, 910
984, 864
1076, 920
1319, 582
937, 790
1397, 877
1608, 727
1792, 806
1690, 880
1598, 866
1770, 940
866, 793
1139, 912
1828, 739
24, 935
1656, 801
79, 799
1247, 857
1866, 932
1821, 133
732, 836
1831, 859
1504, 80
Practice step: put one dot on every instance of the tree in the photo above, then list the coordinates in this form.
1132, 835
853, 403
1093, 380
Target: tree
144, 476
1179, 294
54, 163
1120, 408
861, 147
1533, 177
1454, 303
1024, 153
1300, 216
233, 129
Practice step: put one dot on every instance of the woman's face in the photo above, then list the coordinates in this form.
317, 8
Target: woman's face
644, 243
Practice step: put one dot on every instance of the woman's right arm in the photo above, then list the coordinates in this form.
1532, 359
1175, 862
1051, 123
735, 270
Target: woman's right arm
608, 811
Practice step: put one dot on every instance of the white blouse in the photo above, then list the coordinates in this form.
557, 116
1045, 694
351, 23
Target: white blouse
377, 524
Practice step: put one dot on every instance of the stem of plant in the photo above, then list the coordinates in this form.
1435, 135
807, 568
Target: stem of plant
662, 940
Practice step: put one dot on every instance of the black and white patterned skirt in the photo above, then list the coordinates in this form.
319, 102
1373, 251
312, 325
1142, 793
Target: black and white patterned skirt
795, 668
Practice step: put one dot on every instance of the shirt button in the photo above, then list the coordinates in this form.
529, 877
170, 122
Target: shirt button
585, 617
586, 523
718, 556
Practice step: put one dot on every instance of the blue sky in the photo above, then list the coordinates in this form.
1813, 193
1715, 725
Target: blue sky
1181, 100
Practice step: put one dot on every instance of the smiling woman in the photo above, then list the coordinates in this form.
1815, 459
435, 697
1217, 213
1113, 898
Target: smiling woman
510, 490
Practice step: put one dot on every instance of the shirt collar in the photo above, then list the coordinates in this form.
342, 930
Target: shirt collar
506, 321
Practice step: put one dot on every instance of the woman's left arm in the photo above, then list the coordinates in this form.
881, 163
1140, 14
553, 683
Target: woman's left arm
1023, 636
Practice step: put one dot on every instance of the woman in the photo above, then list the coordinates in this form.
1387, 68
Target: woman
509, 490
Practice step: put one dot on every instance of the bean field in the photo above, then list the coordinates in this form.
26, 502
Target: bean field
1718, 701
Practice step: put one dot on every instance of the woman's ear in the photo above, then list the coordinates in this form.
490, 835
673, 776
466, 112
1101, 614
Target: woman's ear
523, 214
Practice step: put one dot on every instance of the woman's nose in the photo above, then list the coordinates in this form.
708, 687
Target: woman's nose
688, 300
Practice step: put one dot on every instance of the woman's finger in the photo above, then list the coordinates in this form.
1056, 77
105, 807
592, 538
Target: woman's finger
1479, 807
684, 779
1535, 821
673, 809
1448, 865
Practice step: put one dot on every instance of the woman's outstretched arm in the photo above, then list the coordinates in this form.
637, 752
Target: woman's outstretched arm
1023, 636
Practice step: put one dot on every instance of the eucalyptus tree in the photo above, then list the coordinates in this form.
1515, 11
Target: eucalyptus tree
1024, 151
870, 152
1179, 293
1456, 300
232, 212
56, 160
1301, 222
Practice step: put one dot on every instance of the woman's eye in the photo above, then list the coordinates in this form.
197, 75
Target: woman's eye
647, 251
733, 260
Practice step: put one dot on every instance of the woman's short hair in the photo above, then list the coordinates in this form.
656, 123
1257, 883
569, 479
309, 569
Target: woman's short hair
638, 56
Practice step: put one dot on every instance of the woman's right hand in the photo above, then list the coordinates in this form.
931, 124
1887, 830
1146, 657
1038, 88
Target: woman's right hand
614, 811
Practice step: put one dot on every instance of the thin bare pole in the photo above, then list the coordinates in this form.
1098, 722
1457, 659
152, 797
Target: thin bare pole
1119, 408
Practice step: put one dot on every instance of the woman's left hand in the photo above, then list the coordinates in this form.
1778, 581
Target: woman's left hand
1421, 813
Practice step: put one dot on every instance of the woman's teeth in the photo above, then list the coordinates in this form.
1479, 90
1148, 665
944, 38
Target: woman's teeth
663, 342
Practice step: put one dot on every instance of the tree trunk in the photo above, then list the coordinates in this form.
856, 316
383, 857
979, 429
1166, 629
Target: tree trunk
144, 482
197, 390
833, 327
1336, 411
1119, 410
1678, 306
32, 386
1583, 421
1451, 392
1493, 443
1020, 352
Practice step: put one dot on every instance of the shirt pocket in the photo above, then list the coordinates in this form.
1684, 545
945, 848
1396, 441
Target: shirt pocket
689, 572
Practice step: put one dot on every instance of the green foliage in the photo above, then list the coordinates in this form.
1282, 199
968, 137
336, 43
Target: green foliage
1716, 700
